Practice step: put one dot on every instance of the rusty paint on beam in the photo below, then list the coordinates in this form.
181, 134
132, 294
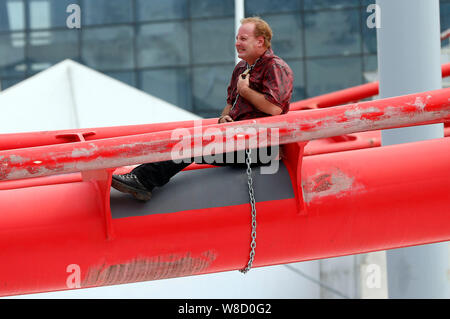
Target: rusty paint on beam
333, 183
147, 269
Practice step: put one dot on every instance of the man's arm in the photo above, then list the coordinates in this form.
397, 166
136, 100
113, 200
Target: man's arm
255, 98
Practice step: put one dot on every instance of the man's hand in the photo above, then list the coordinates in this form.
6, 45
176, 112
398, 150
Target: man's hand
225, 119
257, 99
243, 84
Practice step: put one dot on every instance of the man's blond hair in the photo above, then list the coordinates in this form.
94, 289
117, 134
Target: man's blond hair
262, 28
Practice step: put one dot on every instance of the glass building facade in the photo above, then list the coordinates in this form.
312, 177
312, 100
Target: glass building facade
183, 50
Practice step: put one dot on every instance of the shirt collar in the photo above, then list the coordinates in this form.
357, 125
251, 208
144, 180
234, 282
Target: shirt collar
266, 55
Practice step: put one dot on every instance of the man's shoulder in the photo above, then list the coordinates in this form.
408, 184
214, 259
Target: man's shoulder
275, 62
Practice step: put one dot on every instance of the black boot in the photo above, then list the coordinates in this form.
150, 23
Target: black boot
129, 183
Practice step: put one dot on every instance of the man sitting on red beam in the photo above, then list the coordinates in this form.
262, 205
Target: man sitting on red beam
261, 85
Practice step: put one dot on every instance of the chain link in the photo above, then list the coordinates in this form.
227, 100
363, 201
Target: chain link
252, 203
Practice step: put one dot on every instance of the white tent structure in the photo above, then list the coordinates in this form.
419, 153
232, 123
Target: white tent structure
70, 95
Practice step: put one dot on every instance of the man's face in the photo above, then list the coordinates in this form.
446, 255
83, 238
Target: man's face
248, 47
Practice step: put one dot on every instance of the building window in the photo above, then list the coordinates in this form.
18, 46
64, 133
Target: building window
160, 10
331, 33
210, 87
299, 89
12, 54
211, 8
287, 37
163, 44
12, 15
331, 4
106, 12
48, 47
213, 41
261, 7
44, 14
326, 75
171, 85
108, 48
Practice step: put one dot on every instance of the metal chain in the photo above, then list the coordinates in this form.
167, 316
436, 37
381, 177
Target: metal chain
252, 203
250, 188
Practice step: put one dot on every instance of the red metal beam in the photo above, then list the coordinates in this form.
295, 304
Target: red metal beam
33, 139
414, 109
349, 95
445, 35
354, 203
340, 97
354, 142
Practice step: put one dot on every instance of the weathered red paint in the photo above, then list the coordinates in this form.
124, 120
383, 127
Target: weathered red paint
413, 109
32, 139
147, 269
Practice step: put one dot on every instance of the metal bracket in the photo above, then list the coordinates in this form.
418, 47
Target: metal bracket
101, 179
77, 136
293, 159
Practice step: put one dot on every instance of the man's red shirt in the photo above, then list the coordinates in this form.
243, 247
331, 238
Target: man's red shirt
270, 76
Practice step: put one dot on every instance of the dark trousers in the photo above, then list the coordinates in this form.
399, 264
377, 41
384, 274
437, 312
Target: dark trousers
159, 173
